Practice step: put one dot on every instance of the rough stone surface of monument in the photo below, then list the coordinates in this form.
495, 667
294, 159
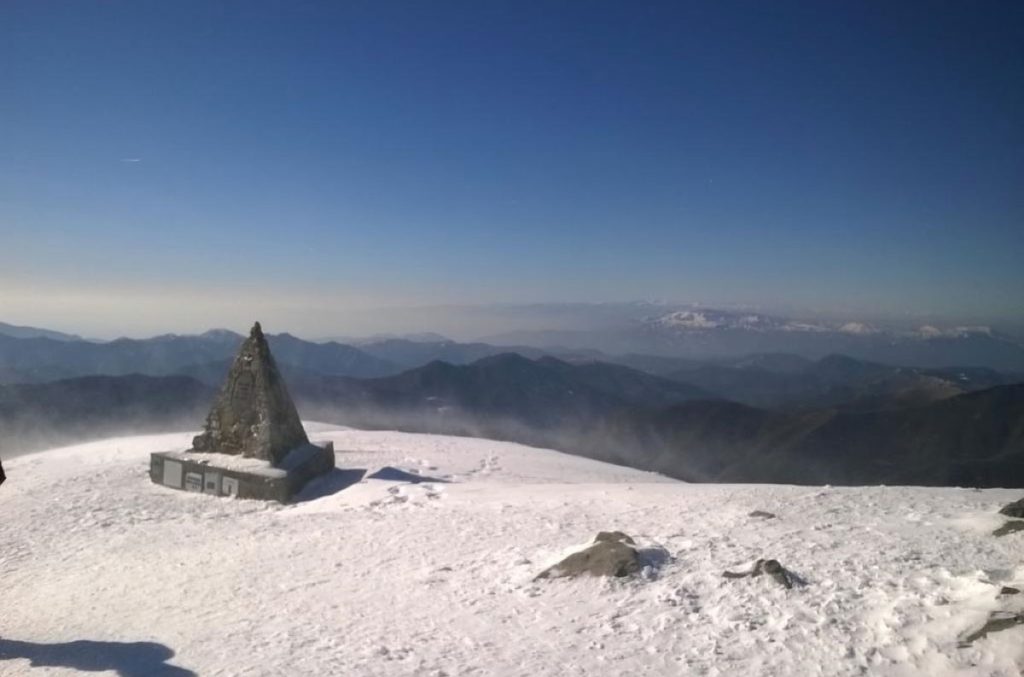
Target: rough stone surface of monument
253, 414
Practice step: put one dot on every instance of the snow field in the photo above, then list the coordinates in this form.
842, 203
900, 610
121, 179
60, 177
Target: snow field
435, 577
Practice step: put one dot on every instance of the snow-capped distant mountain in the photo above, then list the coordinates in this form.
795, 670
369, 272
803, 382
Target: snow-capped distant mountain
706, 319
929, 332
704, 332
858, 328
701, 332
715, 319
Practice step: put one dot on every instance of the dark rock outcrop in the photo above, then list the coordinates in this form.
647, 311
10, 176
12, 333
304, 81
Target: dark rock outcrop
612, 554
761, 514
253, 415
1015, 509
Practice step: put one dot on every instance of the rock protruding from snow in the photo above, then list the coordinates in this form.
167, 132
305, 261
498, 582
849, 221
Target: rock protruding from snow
770, 567
612, 554
1011, 527
253, 415
1015, 509
997, 622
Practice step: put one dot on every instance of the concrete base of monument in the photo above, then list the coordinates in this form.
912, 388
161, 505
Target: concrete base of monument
229, 475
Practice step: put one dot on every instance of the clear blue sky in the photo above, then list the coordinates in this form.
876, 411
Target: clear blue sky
162, 163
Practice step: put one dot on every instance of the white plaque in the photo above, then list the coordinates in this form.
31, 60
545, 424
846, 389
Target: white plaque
172, 474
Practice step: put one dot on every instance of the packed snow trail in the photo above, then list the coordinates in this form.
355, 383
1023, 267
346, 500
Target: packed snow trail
429, 570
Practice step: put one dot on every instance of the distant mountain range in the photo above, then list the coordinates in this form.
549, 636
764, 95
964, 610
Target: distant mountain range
36, 359
45, 359
604, 411
546, 393
773, 416
701, 334
975, 439
786, 381
39, 357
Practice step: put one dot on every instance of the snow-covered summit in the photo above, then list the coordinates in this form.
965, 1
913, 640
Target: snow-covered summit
708, 319
929, 331
858, 328
417, 557
716, 319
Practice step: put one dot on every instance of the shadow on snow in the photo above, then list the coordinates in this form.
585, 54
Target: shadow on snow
392, 474
338, 480
331, 483
128, 659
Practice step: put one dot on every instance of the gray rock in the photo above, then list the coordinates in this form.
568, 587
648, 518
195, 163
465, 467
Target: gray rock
1007, 590
762, 514
997, 622
612, 554
253, 415
1015, 509
770, 567
1011, 526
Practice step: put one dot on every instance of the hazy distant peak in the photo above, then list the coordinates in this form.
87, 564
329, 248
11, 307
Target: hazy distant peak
16, 331
415, 337
221, 334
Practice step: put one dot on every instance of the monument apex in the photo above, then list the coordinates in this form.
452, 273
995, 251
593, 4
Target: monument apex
253, 414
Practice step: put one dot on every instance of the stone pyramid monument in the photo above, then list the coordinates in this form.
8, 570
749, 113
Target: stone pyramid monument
253, 415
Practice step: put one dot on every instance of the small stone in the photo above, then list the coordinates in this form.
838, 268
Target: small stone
1007, 590
771, 567
762, 514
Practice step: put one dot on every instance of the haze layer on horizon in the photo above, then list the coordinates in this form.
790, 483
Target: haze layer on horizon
180, 166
